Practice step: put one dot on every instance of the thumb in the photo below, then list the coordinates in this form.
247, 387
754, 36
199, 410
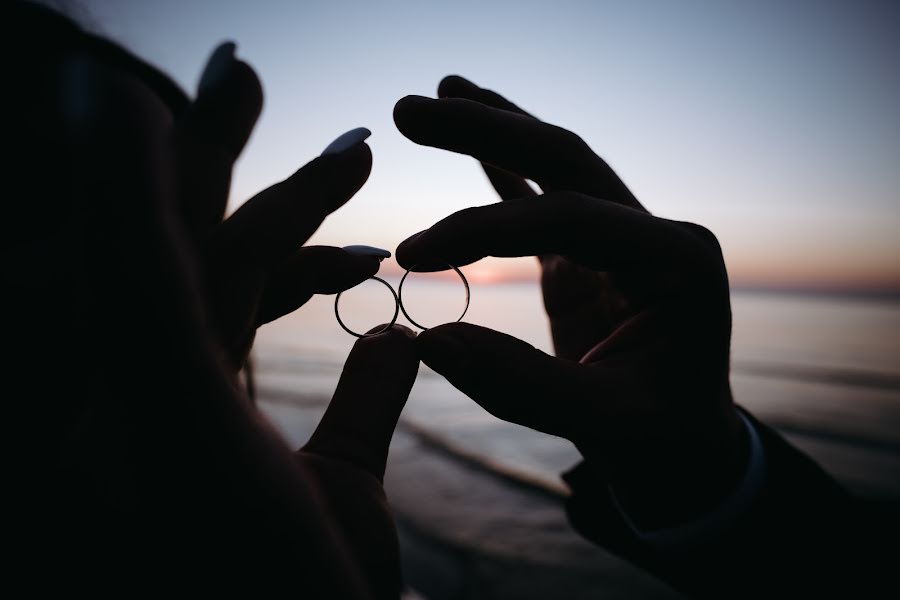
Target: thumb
358, 425
509, 378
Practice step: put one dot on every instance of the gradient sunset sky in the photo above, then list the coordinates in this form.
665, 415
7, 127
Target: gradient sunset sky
775, 123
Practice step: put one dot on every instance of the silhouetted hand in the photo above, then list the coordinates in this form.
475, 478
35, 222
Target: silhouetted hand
647, 399
583, 305
256, 272
253, 266
165, 455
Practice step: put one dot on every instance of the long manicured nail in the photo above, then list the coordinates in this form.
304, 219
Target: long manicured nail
217, 67
361, 250
347, 141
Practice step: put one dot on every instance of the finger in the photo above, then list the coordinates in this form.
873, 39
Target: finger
360, 421
596, 234
312, 270
454, 86
272, 225
579, 301
549, 155
211, 135
507, 185
509, 378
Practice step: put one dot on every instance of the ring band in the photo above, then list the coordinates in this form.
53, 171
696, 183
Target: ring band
400, 295
337, 313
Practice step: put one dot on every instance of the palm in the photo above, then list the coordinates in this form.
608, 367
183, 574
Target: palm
584, 306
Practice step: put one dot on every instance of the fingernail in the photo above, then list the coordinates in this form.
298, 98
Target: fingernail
217, 67
361, 250
346, 141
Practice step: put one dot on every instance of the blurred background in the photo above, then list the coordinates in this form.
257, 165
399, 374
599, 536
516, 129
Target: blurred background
773, 123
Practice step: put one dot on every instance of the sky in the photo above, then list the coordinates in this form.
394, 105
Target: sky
775, 123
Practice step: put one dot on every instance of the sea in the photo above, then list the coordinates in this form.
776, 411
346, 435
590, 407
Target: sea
822, 370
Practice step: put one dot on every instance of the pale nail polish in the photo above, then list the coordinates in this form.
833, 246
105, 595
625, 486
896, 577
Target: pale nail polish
217, 67
361, 250
346, 141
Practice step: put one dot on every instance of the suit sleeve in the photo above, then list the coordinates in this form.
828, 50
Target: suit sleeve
802, 533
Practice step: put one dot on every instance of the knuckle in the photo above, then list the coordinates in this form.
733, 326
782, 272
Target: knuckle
572, 140
466, 215
704, 247
578, 154
707, 237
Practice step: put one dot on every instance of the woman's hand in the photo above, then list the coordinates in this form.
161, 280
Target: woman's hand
253, 266
348, 451
164, 463
640, 384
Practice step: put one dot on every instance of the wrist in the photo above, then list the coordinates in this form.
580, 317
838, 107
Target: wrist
684, 475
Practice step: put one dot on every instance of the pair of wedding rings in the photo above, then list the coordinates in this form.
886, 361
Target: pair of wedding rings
398, 304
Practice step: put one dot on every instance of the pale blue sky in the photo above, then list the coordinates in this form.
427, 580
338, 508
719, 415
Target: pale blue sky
773, 123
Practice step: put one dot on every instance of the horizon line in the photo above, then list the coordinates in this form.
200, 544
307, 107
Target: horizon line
873, 291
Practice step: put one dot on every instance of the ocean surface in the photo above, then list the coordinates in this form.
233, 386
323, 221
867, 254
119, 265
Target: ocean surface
825, 371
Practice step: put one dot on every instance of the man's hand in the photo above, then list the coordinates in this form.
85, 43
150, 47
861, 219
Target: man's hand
640, 383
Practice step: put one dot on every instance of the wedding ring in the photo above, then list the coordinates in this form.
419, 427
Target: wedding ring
403, 308
337, 313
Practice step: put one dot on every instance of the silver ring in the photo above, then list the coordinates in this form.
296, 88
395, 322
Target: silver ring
400, 295
337, 313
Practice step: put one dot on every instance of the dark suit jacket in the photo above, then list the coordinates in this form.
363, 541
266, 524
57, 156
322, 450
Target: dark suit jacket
804, 536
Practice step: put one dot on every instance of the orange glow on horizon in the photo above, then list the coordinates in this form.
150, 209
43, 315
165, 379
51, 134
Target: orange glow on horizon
488, 271
746, 275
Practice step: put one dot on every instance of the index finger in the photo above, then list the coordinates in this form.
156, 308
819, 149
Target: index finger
597, 234
274, 223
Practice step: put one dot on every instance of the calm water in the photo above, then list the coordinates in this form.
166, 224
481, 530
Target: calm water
826, 371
